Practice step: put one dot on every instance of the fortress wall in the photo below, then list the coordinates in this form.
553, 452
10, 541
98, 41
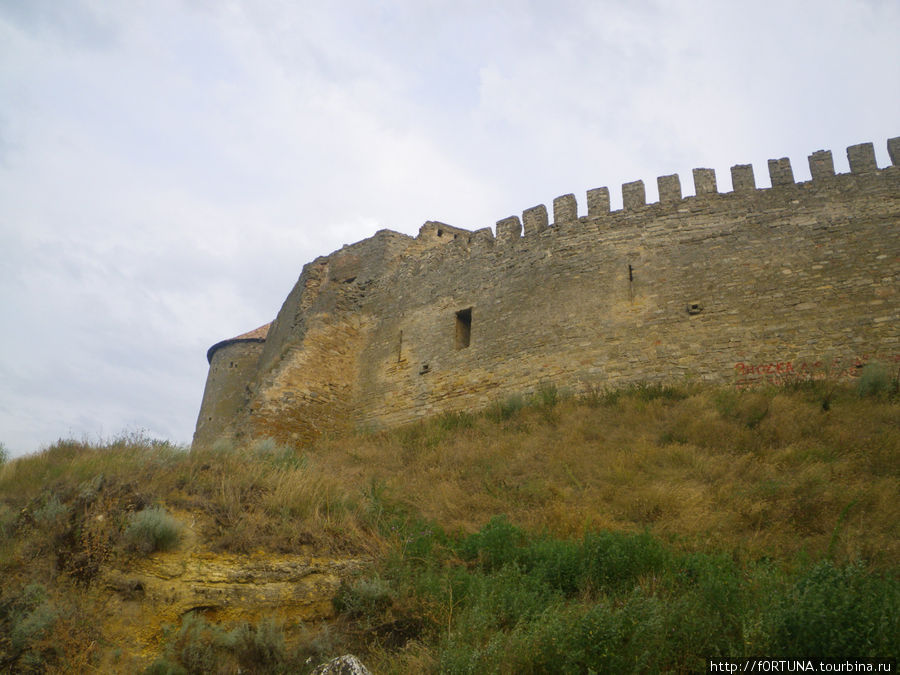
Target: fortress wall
738, 287
743, 287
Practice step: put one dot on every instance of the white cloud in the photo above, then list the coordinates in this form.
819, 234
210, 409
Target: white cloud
167, 168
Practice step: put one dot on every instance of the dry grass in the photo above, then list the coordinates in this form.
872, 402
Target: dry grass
759, 472
261, 497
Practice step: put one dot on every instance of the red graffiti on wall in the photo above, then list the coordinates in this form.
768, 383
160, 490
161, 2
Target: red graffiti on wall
748, 374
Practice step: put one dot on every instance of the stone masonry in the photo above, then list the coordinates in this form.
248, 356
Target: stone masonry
755, 285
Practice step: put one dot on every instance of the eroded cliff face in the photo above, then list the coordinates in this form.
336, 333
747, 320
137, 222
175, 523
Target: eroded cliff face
308, 369
147, 594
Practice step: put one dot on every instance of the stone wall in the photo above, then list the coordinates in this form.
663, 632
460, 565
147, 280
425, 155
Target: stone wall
232, 368
757, 284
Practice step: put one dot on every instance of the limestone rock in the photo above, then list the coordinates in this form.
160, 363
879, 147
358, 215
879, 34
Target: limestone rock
342, 665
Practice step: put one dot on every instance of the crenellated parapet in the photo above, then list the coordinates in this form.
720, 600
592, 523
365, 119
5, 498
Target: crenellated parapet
535, 219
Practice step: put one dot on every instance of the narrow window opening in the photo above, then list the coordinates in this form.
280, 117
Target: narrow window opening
630, 284
463, 328
440, 233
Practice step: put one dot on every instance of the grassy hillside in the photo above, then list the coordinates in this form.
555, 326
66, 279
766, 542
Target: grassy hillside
635, 530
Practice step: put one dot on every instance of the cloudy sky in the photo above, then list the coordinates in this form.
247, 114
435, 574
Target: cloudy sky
168, 166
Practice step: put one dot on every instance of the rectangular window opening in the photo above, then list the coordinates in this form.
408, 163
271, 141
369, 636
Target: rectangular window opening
463, 328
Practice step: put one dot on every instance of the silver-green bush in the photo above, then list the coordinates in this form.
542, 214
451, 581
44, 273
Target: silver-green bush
152, 530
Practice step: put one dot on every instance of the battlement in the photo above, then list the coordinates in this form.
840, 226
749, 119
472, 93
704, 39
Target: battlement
861, 158
744, 286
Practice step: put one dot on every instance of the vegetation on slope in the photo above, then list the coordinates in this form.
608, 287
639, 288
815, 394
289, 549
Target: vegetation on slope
636, 530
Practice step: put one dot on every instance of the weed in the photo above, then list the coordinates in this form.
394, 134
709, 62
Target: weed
279, 456
496, 545
7, 522
452, 421
223, 446
546, 396
152, 530
364, 598
877, 380
652, 391
822, 390
837, 612
51, 512
199, 646
641, 391
26, 620
505, 409
260, 647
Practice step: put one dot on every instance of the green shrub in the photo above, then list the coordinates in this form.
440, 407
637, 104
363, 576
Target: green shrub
546, 396
451, 421
280, 456
837, 612
198, 646
600, 559
651, 391
26, 619
502, 410
556, 563
4, 454
260, 647
152, 530
51, 512
876, 380
495, 545
363, 598
163, 666
499, 600
616, 560
7, 521
642, 391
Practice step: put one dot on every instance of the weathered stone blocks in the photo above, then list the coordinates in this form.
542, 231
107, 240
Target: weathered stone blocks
633, 195
565, 209
780, 172
862, 158
535, 219
894, 150
821, 165
705, 182
669, 189
598, 202
742, 179
509, 229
